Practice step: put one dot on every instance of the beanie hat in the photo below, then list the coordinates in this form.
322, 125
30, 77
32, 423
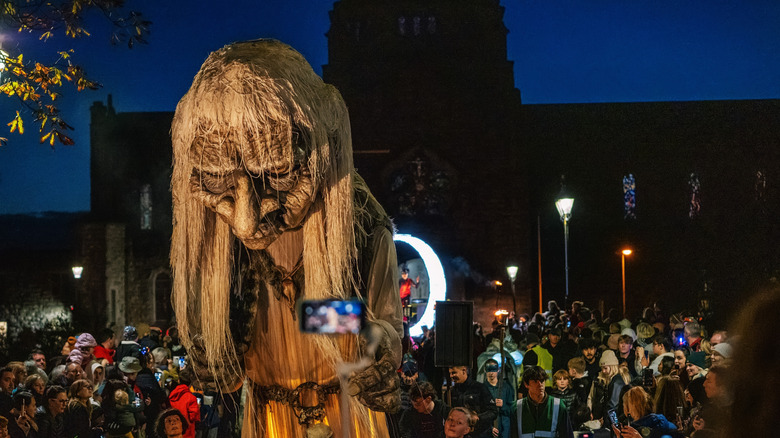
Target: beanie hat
698, 358
129, 334
531, 338
645, 330
608, 358
723, 349
629, 332
624, 323
85, 340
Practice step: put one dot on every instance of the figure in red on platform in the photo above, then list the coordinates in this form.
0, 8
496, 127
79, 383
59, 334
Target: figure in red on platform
405, 285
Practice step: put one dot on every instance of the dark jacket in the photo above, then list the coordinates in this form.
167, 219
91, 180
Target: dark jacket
77, 421
655, 426
49, 426
475, 396
128, 348
416, 425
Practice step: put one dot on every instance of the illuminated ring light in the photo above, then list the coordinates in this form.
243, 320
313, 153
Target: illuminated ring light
437, 288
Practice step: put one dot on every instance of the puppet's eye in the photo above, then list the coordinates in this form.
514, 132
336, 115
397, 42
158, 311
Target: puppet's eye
213, 182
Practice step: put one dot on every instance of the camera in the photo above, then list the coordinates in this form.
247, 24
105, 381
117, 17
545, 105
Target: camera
332, 317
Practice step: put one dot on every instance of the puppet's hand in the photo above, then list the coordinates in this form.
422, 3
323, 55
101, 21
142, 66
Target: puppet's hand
378, 386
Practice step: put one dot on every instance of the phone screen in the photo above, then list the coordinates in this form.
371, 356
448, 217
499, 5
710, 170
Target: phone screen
613, 418
182, 362
331, 317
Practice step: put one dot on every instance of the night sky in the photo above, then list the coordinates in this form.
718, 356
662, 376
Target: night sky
565, 51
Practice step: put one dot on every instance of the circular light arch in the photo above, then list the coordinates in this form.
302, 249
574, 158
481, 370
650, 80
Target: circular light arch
437, 288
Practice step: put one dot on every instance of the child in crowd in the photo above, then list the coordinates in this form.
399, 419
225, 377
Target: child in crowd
562, 387
124, 422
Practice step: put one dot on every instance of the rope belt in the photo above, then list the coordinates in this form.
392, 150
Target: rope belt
293, 398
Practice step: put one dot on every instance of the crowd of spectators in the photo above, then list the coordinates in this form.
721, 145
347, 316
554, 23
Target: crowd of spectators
659, 375
562, 373
99, 386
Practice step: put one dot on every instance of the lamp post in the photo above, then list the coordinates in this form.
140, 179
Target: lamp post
564, 205
512, 272
623, 255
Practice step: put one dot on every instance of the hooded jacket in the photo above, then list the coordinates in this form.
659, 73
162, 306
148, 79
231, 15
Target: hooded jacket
185, 402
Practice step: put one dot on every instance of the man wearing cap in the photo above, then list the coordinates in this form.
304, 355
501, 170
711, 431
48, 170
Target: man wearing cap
540, 415
537, 355
410, 375
503, 397
473, 395
559, 349
130, 366
720, 353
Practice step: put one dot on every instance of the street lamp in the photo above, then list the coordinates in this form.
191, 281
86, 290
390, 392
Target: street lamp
512, 272
623, 255
77, 271
564, 205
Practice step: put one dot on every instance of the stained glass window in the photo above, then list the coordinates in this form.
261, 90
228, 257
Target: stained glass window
760, 185
694, 209
146, 207
629, 196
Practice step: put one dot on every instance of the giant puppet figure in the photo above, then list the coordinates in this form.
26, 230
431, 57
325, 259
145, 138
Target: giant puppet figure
268, 211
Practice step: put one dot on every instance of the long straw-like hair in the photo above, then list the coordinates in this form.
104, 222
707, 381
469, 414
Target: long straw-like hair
245, 98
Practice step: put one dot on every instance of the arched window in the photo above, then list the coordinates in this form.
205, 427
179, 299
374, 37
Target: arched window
163, 310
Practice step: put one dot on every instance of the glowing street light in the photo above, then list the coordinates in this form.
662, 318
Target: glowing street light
564, 204
512, 272
77, 271
623, 254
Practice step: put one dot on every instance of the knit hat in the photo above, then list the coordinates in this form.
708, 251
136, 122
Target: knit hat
624, 323
698, 358
130, 364
645, 330
531, 338
629, 332
608, 358
85, 340
130, 333
723, 349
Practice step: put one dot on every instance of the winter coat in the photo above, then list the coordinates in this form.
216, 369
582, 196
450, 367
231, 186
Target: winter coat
185, 402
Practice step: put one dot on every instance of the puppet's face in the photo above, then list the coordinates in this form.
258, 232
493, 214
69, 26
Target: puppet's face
173, 425
260, 190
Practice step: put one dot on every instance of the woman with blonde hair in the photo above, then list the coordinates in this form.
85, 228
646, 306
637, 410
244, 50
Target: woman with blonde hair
638, 407
605, 393
459, 423
77, 416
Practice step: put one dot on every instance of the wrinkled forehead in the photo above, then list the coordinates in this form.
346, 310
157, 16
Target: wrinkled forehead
272, 148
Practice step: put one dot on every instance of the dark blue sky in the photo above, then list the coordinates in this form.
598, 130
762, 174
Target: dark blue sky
565, 51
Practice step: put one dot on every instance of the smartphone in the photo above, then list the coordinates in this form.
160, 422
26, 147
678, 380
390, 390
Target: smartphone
613, 418
158, 376
647, 354
332, 317
182, 362
647, 377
